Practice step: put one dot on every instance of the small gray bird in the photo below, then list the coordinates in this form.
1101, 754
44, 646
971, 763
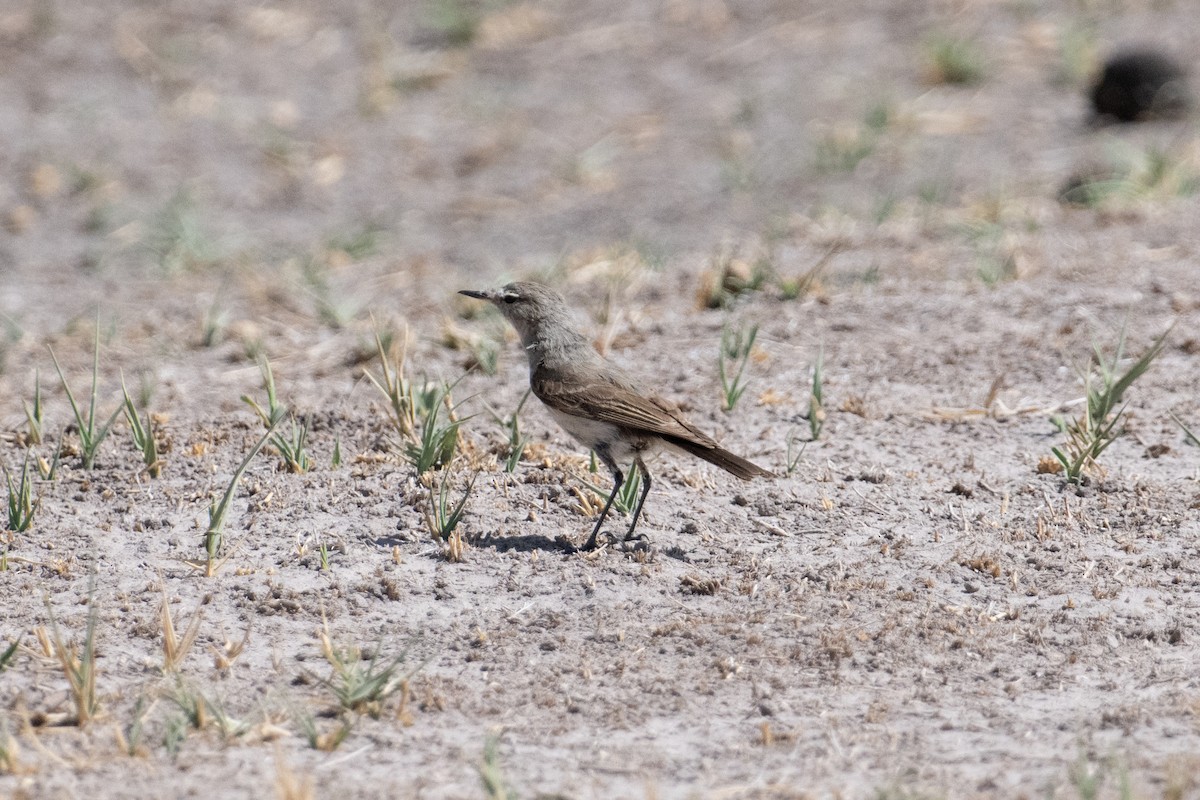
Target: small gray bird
595, 401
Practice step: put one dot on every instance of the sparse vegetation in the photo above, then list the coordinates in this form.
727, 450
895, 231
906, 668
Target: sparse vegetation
10, 751
737, 342
78, 663
844, 147
175, 733
362, 684
816, 398
214, 323
10, 334
512, 429
292, 448
442, 520
178, 239
795, 450
1090, 777
214, 535
456, 21
625, 500
906, 562
334, 311
10, 652
728, 277
91, 431
275, 411
995, 265
436, 445
483, 348
175, 647
796, 286
201, 711
131, 738
48, 471
1187, 432
327, 741
1132, 175
993, 243
35, 414
143, 435
356, 243
21, 506
627, 497
394, 385
1099, 425
491, 774
191, 703
954, 59
289, 785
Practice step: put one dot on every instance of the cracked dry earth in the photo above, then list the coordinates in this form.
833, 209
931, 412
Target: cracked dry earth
915, 610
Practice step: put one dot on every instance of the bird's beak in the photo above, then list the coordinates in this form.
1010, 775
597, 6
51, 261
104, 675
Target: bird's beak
477, 295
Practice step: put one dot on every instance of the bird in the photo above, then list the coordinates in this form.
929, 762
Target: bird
597, 402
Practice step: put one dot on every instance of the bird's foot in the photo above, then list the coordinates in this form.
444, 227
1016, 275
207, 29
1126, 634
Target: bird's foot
567, 545
592, 544
629, 543
636, 543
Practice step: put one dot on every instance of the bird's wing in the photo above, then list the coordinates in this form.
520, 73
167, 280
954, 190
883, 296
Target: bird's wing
605, 401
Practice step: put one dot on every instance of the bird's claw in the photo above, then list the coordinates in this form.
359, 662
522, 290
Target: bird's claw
631, 542
636, 543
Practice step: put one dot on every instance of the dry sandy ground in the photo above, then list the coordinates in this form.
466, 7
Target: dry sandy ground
914, 610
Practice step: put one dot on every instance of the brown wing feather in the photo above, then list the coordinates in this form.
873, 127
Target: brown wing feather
616, 405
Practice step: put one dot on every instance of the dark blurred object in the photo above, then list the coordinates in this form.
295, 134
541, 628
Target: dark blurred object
1139, 85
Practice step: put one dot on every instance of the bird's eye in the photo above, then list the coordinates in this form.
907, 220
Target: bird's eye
511, 298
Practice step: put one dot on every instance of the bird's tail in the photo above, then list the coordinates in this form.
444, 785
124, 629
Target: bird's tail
733, 464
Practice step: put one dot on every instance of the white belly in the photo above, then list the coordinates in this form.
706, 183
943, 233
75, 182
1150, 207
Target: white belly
593, 435
587, 432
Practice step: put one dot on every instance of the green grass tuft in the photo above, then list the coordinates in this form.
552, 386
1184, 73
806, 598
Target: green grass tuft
21, 506
491, 774
442, 519
35, 414
438, 440
736, 346
143, 434
512, 429
954, 60
91, 433
1099, 426
816, 397
214, 534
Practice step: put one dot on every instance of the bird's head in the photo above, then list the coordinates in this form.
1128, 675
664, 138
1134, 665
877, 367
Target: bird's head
531, 308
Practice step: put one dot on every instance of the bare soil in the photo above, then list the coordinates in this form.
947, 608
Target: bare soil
917, 609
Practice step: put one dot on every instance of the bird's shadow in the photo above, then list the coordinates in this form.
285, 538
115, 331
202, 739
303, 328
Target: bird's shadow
526, 543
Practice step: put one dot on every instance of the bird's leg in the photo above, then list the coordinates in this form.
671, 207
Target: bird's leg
618, 479
637, 512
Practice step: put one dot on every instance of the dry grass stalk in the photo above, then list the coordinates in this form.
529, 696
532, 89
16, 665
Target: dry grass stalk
175, 647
